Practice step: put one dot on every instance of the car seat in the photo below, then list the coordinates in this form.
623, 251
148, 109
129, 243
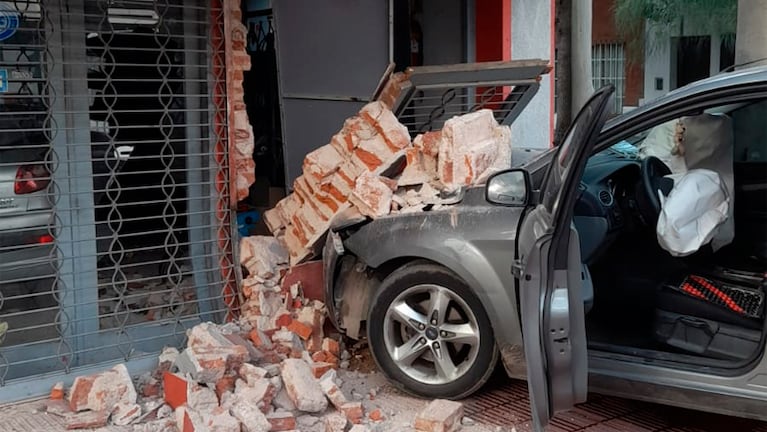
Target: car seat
718, 314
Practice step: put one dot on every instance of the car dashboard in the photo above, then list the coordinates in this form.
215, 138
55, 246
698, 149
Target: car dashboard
605, 199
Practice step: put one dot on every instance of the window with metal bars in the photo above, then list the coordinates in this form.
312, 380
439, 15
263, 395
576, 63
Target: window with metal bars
608, 67
115, 234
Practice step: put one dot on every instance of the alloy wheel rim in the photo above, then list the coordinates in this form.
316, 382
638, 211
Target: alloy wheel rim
431, 334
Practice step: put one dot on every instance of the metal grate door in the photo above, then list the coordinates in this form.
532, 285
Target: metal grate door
115, 232
608, 67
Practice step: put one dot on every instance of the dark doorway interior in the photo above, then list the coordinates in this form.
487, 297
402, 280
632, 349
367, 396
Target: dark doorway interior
262, 100
727, 52
693, 59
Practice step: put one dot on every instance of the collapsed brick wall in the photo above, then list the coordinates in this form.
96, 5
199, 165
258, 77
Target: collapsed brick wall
241, 140
371, 168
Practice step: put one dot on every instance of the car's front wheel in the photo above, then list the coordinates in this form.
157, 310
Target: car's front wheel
429, 333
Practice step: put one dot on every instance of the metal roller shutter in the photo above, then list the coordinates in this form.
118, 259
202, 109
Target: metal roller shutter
114, 182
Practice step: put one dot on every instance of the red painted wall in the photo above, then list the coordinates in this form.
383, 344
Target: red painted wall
493, 30
493, 38
603, 30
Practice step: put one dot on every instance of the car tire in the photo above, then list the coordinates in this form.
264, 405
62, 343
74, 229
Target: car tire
387, 334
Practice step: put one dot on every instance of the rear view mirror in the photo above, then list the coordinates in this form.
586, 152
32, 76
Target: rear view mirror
509, 188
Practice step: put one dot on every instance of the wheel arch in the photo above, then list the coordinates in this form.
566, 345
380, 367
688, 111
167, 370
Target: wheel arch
496, 294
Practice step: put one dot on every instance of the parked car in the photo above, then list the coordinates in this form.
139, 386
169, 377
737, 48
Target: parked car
26, 242
555, 267
131, 164
27, 229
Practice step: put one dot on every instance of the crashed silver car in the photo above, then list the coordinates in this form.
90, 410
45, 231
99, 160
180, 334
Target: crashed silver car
569, 267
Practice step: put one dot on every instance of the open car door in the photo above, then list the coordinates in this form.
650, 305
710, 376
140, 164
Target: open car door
549, 273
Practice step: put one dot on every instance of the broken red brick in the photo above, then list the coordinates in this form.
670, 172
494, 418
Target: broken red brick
352, 411
284, 320
224, 385
322, 162
375, 415
332, 346
78, 394
260, 339
319, 356
319, 368
371, 195
57, 392
175, 389
302, 330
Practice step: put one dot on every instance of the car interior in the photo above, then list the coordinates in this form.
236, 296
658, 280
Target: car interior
704, 308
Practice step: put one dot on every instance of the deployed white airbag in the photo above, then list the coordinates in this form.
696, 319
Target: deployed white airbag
693, 213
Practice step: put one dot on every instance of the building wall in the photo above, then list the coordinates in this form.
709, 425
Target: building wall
660, 57
532, 38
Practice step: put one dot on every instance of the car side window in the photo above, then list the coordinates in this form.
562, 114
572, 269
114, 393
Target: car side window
750, 132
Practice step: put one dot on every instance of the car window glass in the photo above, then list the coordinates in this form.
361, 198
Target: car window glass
750, 131
565, 155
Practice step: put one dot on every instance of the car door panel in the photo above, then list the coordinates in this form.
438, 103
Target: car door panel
550, 275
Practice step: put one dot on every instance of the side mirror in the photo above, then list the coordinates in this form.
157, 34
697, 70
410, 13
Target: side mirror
509, 188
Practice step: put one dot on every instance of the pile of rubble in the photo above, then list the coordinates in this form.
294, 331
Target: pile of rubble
372, 167
274, 370
229, 380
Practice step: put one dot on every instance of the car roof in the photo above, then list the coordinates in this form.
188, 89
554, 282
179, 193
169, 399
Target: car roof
728, 79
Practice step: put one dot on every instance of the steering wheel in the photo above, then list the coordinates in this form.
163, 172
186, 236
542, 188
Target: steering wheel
653, 172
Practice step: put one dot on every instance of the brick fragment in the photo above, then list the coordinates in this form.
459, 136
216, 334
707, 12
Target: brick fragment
260, 393
332, 346
385, 122
252, 419
167, 360
372, 196
440, 416
331, 389
175, 389
225, 384
125, 414
302, 387
220, 420
273, 221
335, 422
57, 391
87, 420
375, 415
320, 368
250, 373
260, 339
201, 398
150, 388
262, 255
102, 391
352, 411
282, 421
322, 163
470, 145
302, 330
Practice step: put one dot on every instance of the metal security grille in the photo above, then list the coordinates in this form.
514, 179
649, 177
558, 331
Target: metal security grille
434, 94
114, 183
608, 67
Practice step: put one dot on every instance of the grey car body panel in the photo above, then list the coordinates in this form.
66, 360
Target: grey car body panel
476, 240
473, 239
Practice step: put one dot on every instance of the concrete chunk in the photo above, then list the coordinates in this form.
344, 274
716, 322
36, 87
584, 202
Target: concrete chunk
440, 416
302, 387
